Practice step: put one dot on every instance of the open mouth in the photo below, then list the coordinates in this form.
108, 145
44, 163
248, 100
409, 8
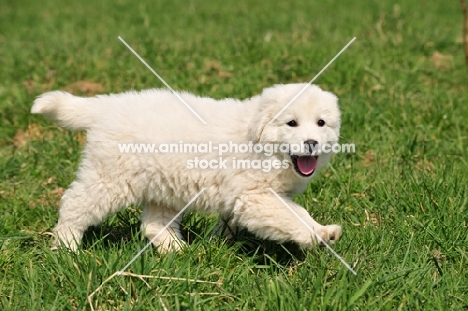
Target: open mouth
304, 165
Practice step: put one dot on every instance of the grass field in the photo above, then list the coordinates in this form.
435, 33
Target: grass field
401, 198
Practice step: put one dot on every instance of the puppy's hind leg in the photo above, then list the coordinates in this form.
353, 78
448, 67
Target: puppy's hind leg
158, 223
87, 202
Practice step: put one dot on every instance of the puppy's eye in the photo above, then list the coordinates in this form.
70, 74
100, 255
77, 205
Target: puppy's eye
320, 122
292, 123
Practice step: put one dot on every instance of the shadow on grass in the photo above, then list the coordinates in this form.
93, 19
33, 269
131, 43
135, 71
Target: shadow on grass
109, 236
195, 230
267, 252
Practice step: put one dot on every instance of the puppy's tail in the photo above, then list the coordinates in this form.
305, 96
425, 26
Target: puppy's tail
69, 111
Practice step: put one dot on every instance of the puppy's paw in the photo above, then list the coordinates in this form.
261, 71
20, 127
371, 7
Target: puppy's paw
65, 239
330, 234
169, 245
165, 240
71, 245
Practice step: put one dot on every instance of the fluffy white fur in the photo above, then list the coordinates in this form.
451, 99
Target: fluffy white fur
108, 180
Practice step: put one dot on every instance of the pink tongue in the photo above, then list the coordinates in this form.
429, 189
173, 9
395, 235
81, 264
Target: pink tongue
306, 164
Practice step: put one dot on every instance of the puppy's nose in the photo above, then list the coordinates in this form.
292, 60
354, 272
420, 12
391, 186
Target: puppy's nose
310, 145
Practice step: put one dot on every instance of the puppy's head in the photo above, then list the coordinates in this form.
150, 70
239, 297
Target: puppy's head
306, 123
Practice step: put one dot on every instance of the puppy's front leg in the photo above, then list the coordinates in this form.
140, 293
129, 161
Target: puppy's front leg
266, 216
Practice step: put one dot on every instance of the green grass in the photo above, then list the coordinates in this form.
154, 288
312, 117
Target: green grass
401, 198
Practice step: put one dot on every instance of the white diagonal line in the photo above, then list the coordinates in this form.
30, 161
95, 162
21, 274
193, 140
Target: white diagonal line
160, 232
313, 79
312, 230
164, 82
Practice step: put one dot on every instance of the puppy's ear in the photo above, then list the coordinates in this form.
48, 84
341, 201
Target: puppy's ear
260, 129
258, 124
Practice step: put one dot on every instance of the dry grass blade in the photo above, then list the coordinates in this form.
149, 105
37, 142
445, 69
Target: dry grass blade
142, 277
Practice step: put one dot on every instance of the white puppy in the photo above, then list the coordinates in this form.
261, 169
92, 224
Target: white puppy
111, 177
